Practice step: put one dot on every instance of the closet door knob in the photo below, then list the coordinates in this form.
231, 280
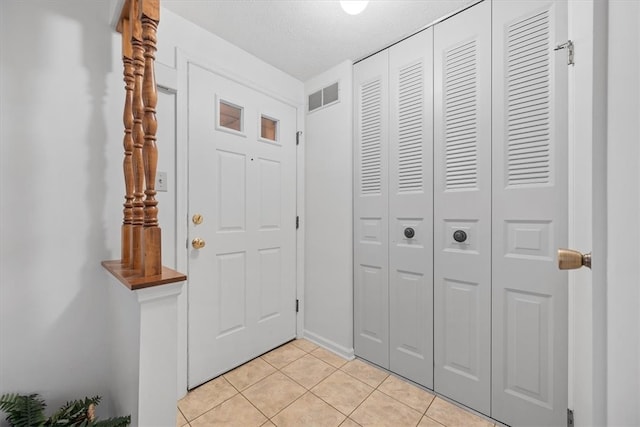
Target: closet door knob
459, 236
409, 233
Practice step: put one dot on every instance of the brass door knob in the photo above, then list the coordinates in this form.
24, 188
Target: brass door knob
568, 259
198, 243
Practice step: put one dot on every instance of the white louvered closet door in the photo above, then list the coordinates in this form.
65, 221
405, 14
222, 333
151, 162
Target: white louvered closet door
411, 208
530, 294
371, 207
462, 207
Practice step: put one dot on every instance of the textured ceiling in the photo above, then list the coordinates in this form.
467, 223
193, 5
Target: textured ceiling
306, 37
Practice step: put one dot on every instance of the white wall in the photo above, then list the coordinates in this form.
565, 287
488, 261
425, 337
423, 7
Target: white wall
60, 197
587, 211
623, 222
124, 318
175, 32
328, 302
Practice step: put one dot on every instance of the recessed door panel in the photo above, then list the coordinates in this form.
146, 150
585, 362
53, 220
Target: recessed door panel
232, 288
461, 307
528, 332
270, 279
408, 294
270, 194
231, 191
462, 207
373, 299
530, 294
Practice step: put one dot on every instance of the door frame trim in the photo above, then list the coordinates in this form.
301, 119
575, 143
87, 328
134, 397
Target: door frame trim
587, 211
183, 58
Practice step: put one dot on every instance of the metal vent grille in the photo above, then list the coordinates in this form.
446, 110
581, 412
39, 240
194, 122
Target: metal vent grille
370, 131
323, 97
410, 124
528, 101
330, 94
460, 117
315, 100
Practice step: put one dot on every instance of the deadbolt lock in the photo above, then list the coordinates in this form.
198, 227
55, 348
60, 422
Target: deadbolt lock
197, 219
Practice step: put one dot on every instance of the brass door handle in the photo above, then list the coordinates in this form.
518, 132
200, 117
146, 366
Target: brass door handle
568, 259
198, 243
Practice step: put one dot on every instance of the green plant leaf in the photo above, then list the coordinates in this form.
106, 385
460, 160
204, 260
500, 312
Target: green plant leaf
23, 410
113, 422
28, 411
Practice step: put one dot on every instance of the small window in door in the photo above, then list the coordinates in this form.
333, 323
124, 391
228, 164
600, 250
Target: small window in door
230, 116
268, 128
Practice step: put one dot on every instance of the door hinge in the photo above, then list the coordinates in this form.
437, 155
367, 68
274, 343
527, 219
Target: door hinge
569, 418
298, 137
297, 306
570, 51
297, 222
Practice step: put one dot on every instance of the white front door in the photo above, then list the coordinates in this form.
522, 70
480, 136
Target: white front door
242, 205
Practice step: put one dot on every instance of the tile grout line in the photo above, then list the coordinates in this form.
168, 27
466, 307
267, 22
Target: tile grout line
309, 389
276, 370
336, 370
377, 388
183, 416
407, 405
252, 404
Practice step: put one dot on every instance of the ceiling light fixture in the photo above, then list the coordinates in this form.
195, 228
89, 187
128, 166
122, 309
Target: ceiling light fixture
353, 7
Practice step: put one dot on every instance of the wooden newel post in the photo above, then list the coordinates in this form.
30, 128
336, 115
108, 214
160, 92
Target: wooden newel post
140, 265
152, 232
138, 137
127, 166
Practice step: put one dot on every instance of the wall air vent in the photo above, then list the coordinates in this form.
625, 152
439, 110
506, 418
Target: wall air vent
323, 97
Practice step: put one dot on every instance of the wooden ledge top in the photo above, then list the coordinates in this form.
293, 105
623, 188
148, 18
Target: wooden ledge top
133, 280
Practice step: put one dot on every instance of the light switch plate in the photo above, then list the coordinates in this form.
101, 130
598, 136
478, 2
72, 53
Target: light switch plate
161, 181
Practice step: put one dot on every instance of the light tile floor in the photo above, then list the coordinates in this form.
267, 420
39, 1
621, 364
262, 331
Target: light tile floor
300, 384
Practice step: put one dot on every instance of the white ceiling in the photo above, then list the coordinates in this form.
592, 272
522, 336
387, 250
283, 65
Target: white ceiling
306, 37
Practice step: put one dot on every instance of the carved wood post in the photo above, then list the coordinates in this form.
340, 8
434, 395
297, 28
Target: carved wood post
152, 232
140, 265
138, 137
127, 165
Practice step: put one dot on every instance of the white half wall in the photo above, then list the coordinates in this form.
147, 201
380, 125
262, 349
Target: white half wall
328, 220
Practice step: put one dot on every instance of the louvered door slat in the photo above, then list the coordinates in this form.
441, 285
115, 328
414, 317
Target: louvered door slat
370, 167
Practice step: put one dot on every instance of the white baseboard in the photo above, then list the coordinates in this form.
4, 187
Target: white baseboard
347, 353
